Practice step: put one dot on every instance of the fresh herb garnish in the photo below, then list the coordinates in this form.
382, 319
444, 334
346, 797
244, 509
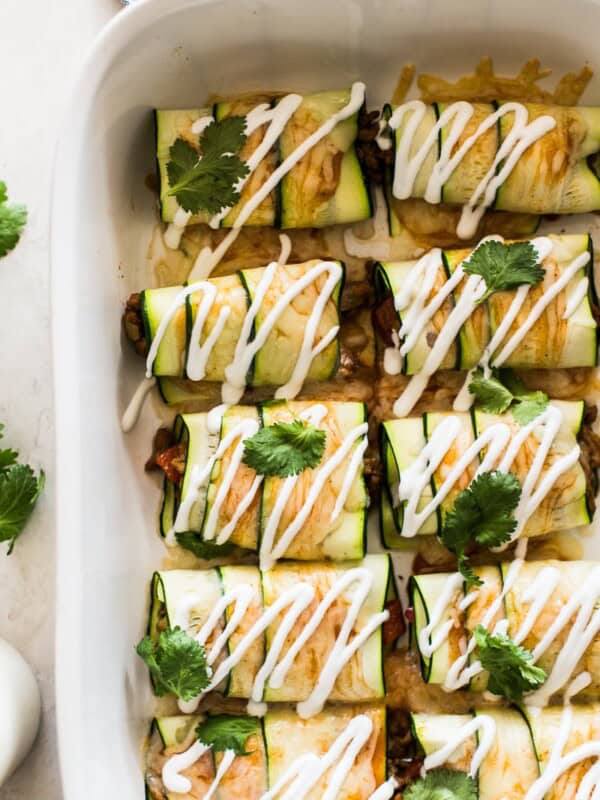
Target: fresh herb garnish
510, 666
504, 266
285, 448
225, 732
483, 514
442, 784
502, 390
13, 218
206, 550
19, 491
207, 181
177, 663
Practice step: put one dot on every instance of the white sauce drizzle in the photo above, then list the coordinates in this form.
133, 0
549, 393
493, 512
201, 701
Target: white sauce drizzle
270, 552
302, 775
378, 245
578, 295
482, 724
291, 603
520, 137
247, 347
134, 409
502, 447
582, 605
276, 118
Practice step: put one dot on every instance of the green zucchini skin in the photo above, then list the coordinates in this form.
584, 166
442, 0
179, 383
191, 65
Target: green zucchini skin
402, 440
425, 591
168, 587
345, 541
576, 346
349, 202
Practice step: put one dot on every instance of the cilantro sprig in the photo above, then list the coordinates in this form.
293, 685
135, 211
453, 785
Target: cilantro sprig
207, 181
503, 390
504, 266
206, 550
225, 732
177, 663
443, 784
510, 666
13, 218
285, 448
20, 488
482, 514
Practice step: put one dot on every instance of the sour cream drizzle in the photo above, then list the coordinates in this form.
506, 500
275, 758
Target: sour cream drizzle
270, 551
303, 774
355, 584
249, 343
582, 606
412, 299
501, 446
457, 115
484, 726
276, 119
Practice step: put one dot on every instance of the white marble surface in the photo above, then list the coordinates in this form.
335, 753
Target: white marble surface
42, 44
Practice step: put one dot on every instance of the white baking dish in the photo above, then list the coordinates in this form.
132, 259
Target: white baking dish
175, 53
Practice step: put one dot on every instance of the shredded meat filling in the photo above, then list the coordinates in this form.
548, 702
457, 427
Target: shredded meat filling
133, 324
373, 160
589, 442
394, 627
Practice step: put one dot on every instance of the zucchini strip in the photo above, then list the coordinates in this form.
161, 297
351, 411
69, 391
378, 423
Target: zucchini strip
285, 752
421, 296
519, 157
544, 754
548, 607
320, 513
318, 659
312, 183
276, 325
428, 460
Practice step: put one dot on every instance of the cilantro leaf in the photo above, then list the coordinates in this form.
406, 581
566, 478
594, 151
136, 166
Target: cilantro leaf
7, 457
19, 491
206, 550
177, 663
226, 732
482, 514
285, 448
465, 569
207, 181
503, 390
510, 666
13, 219
529, 407
443, 784
491, 395
504, 266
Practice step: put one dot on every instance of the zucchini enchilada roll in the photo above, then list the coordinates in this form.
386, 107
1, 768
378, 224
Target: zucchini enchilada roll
518, 753
304, 633
288, 161
434, 463
548, 608
283, 478
509, 156
340, 752
272, 326
527, 304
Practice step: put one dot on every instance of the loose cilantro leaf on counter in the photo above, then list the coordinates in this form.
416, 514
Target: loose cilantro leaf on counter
226, 732
177, 663
285, 448
511, 668
206, 550
19, 491
13, 218
207, 181
504, 266
502, 390
443, 784
482, 514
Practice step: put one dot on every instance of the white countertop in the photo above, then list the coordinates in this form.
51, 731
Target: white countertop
43, 44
